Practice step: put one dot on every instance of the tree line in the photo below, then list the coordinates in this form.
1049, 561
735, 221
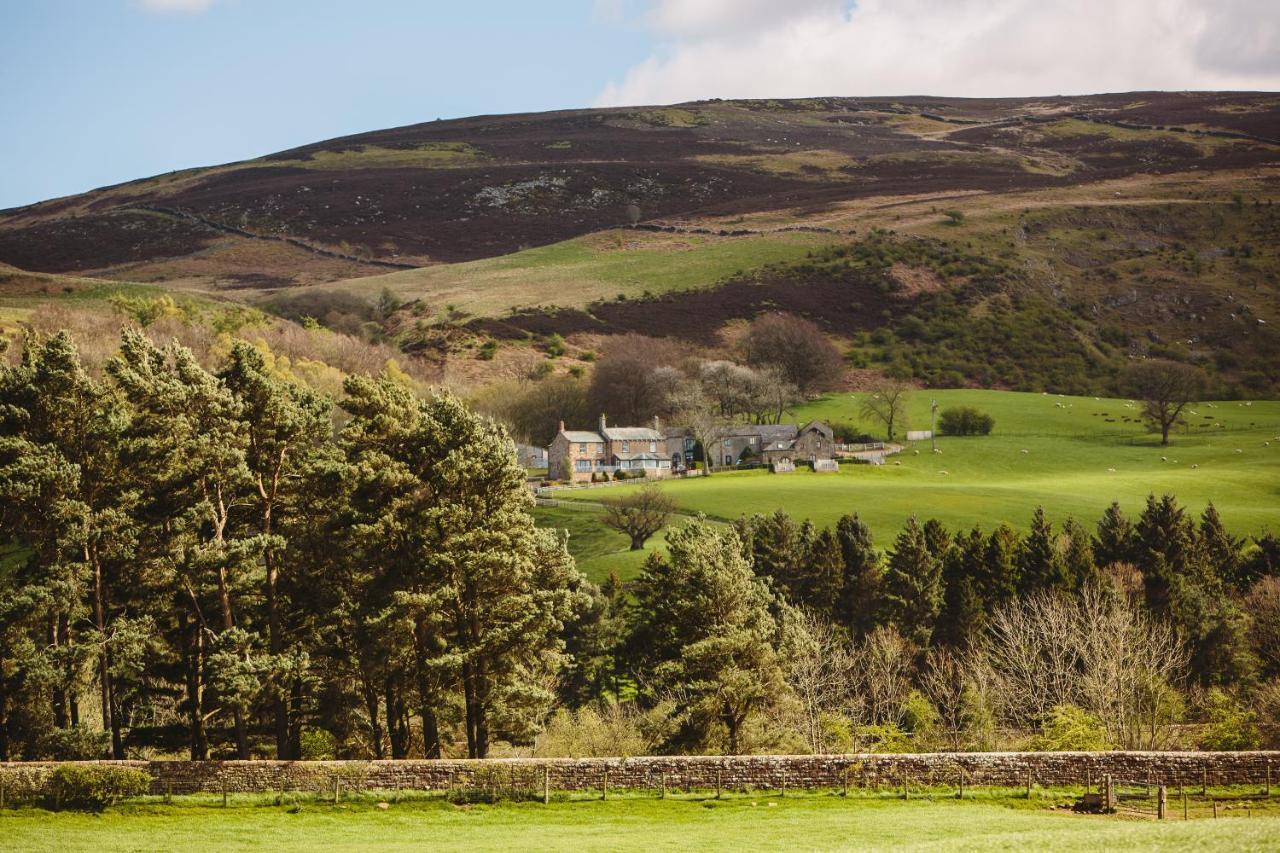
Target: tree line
224, 563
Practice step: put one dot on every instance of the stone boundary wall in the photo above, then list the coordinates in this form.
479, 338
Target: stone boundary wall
690, 772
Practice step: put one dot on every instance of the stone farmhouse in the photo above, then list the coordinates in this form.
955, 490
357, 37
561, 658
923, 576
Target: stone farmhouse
576, 455
773, 443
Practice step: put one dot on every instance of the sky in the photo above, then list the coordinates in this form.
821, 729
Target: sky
95, 92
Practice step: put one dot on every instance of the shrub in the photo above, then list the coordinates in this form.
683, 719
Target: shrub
1069, 728
965, 420
1232, 727
93, 787
78, 743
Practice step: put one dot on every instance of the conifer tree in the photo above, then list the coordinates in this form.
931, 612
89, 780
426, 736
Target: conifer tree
962, 617
859, 607
1081, 569
1220, 548
1000, 575
824, 573
1040, 565
913, 585
1116, 541
703, 629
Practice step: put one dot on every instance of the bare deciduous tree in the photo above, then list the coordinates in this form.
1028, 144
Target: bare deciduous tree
639, 514
820, 671
882, 666
1097, 651
886, 403
1165, 388
796, 347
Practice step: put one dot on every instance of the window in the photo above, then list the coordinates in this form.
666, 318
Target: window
626, 447
582, 448
582, 465
653, 447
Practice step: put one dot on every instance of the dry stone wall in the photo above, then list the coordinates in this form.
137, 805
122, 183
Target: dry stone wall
691, 772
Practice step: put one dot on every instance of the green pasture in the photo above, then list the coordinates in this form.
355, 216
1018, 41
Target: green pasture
806, 821
1071, 455
574, 273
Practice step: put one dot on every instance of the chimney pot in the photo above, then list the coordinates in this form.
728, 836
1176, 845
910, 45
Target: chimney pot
603, 422
562, 426
655, 424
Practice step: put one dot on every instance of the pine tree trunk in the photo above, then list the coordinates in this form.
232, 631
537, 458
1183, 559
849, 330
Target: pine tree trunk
195, 692
4, 714
371, 703
59, 689
69, 674
481, 694
469, 700
228, 622
295, 720
109, 721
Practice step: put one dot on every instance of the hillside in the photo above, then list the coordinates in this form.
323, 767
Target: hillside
1139, 223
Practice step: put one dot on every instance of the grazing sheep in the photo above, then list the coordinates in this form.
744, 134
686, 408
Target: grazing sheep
1194, 466
1164, 458
1111, 470
897, 462
937, 450
916, 452
944, 473
1238, 450
1024, 450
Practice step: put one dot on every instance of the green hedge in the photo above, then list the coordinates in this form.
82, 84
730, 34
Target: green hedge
93, 787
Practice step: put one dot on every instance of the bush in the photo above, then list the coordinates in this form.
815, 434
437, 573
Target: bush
965, 420
93, 787
1232, 727
1069, 728
78, 743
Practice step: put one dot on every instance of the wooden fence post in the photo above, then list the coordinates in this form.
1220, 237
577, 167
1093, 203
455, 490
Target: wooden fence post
844, 782
1204, 781
662, 779
604, 783
1028, 784
1215, 809
961, 784
224, 793
1109, 793
1267, 790
1, 792
1162, 802
1184, 805
719, 779
546, 785
783, 781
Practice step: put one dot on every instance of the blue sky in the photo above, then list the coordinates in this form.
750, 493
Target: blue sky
94, 92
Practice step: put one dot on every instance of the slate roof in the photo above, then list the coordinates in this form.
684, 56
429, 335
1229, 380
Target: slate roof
582, 437
632, 434
769, 432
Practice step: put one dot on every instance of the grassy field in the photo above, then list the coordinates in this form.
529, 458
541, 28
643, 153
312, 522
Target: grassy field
576, 272
796, 822
1072, 455
597, 549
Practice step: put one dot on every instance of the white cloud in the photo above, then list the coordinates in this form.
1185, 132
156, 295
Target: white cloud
175, 5
766, 48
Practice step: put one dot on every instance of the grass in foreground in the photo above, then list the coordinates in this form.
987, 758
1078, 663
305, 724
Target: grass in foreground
810, 821
1072, 455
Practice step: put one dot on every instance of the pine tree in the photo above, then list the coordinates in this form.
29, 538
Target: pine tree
859, 608
1040, 565
703, 629
913, 585
1077, 556
962, 617
1165, 544
287, 432
778, 552
1220, 548
483, 593
824, 573
1116, 541
186, 444
1000, 577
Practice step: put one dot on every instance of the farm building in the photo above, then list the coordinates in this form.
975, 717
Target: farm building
576, 455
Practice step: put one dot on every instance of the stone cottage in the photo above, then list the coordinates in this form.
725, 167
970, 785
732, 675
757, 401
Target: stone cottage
576, 455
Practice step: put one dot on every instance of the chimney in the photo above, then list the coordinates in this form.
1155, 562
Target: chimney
562, 426
603, 423
656, 428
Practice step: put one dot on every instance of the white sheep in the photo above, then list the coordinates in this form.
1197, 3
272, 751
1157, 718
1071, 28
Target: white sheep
1024, 450
1111, 470
1164, 458
1194, 466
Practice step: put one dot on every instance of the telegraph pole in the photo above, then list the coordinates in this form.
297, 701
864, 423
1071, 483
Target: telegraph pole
933, 425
